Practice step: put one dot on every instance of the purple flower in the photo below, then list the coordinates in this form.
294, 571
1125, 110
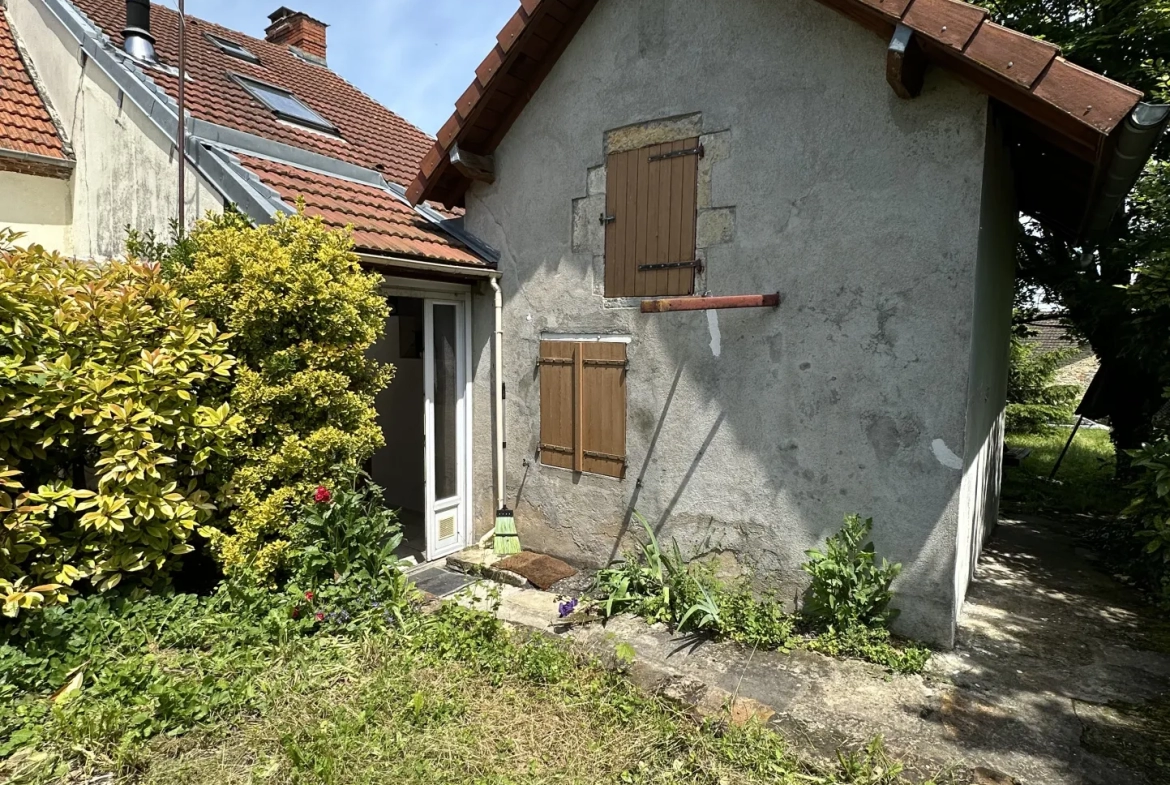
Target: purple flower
566, 608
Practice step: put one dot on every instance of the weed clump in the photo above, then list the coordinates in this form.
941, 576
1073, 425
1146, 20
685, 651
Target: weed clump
847, 611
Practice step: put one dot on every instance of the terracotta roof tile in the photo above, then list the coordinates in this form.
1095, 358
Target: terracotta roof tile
25, 123
371, 135
382, 223
1079, 107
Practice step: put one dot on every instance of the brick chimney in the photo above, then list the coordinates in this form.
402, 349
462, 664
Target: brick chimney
294, 28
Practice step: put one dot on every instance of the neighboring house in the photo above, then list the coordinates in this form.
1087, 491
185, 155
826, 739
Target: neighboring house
627, 157
267, 123
1078, 364
35, 161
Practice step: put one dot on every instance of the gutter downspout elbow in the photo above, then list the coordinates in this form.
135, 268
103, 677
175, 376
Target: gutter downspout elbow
498, 378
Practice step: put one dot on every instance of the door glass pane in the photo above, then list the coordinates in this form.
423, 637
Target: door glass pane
446, 402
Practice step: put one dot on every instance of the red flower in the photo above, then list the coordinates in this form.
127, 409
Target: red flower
322, 496
320, 617
296, 613
309, 596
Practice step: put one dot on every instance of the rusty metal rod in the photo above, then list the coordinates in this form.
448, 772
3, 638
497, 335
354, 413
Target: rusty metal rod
710, 303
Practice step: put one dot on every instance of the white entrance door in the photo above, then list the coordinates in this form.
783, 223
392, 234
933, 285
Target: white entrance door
445, 382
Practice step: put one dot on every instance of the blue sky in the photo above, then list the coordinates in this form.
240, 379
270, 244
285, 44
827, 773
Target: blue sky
414, 56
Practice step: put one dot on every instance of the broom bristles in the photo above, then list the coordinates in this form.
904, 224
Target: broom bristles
507, 540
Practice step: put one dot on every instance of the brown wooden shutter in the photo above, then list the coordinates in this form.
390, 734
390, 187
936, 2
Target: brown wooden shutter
583, 406
652, 206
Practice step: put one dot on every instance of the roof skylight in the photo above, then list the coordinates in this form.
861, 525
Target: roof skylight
286, 105
233, 49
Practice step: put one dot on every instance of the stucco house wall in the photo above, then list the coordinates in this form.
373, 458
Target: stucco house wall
752, 432
987, 385
126, 169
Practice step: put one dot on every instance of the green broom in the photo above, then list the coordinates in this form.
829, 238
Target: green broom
507, 540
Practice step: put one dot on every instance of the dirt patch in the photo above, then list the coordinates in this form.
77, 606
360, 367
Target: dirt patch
541, 570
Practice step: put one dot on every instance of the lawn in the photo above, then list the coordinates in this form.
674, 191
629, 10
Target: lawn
449, 697
1084, 485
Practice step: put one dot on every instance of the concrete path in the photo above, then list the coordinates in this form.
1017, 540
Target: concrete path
1059, 677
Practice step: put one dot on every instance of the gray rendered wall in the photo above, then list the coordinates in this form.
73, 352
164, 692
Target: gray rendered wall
987, 388
752, 432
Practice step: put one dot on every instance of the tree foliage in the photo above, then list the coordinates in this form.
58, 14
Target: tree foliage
111, 412
1034, 400
1118, 300
302, 315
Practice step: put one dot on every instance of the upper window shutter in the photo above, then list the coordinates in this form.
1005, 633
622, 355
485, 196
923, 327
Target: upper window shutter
650, 204
583, 406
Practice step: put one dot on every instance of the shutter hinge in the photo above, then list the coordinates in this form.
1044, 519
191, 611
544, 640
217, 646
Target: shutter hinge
699, 151
607, 219
695, 263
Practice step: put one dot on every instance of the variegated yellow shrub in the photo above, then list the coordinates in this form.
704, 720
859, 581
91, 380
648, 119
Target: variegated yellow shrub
302, 314
111, 408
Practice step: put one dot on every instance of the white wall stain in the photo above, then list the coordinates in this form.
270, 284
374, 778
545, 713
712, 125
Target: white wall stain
713, 326
945, 456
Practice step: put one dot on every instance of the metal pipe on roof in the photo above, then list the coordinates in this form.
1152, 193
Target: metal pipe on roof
138, 42
182, 136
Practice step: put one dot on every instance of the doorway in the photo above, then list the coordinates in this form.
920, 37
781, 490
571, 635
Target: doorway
425, 467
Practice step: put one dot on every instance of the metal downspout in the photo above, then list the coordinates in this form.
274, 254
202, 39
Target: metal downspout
498, 378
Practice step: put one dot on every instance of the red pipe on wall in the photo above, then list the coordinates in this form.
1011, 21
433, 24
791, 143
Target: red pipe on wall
710, 303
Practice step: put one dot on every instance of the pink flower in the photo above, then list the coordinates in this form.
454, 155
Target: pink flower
309, 596
320, 617
322, 496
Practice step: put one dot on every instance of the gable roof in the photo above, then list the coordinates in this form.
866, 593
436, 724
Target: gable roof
1064, 123
354, 177
370, 134
27, 131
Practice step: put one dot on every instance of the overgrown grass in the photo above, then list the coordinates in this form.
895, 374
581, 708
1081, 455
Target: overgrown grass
452, 697
1085, 484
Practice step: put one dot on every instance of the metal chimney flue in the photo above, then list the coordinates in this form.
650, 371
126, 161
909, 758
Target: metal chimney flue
139, 43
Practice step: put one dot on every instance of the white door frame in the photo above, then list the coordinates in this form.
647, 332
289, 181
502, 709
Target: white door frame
443, 293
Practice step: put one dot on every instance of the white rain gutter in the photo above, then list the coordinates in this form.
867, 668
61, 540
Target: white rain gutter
388, 263
498, 377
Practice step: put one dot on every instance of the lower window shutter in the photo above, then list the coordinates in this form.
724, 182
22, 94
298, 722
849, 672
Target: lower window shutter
583, 406
603, 403
556, 404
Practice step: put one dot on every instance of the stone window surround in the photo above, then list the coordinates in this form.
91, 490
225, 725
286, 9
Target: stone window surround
713, 225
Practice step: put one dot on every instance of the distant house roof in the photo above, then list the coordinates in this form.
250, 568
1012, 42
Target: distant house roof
345, 154
1048, 334
29, 138
1065, 123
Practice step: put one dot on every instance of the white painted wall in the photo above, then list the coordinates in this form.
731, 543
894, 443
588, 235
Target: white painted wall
126, 172
40, 207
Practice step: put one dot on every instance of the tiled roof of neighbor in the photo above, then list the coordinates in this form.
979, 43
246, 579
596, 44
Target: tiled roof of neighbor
371, 135
25, 123
1063, 107
381, 221
1052, 336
